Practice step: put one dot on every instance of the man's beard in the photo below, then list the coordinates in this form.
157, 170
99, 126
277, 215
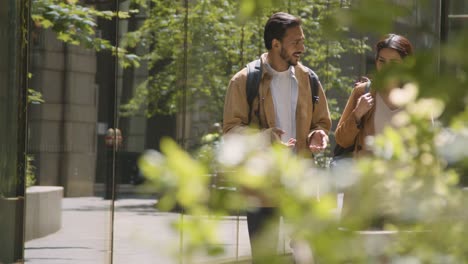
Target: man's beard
287, 58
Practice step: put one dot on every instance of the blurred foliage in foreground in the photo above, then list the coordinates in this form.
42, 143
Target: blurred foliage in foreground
407, 188
411, 188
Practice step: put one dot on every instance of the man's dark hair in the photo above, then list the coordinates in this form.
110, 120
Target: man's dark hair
277, 25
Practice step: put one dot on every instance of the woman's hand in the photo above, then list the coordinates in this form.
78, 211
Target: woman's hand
364, 104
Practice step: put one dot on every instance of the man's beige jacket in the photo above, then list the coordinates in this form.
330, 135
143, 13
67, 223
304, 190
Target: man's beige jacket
236, 108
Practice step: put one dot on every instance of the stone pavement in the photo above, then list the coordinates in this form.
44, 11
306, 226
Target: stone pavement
141, 234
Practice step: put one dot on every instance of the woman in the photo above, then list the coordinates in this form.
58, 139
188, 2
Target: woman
366, 114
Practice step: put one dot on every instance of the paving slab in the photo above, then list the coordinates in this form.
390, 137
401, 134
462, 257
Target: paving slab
141, 234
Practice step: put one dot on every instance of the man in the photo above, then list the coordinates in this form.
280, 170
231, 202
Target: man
283, 109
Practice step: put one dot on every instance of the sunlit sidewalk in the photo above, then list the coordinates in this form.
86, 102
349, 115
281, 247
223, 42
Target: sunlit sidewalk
141, 234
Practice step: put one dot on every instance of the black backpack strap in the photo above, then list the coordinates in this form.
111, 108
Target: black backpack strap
314, 86
254, 74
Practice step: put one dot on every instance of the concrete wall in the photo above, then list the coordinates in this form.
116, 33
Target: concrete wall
43, 211
63, 129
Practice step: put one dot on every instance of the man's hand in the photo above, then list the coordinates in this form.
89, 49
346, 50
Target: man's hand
276, 134
276, 137
318, 141
291, 143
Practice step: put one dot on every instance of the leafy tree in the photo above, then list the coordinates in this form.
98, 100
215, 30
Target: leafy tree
219, 41
191, 49
76, 24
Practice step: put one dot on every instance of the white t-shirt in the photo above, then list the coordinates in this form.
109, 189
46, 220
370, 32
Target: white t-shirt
284, 89
383, 114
